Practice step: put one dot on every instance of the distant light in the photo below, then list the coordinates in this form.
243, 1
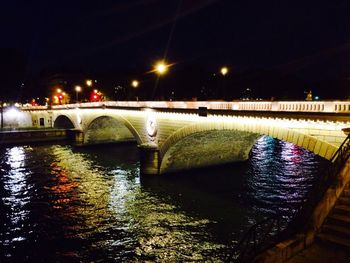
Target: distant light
89, 82
135, 83
95, 90
17, 104
161, 67
235, 107
224, 71
317, 97
12, 112
59, 90
77, 88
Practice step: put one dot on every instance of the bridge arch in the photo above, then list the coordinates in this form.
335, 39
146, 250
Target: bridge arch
207, 148
106, 128
310, 143
63, 122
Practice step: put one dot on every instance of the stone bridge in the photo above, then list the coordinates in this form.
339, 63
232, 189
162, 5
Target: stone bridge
183, 135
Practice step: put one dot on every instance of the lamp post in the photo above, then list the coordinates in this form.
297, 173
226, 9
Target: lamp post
135, 84
2, 115
223, 71
77, 90
160, 68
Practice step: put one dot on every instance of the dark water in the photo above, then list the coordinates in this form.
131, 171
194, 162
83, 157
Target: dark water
66, 204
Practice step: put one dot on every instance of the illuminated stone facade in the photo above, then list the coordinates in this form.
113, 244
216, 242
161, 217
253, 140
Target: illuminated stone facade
164, 129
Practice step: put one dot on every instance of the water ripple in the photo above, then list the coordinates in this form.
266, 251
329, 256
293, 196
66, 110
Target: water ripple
66, 204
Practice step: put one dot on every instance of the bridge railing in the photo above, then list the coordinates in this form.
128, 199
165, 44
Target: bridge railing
285, 106
257, 235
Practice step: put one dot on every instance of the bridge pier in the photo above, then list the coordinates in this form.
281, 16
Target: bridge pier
76, 136
149, 159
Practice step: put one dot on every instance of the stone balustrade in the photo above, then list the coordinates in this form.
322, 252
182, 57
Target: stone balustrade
283, 106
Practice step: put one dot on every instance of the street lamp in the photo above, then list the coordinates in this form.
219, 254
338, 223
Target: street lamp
133, 93
77, 90
89, 82
223, 71
135, 84
2, 114
161, 68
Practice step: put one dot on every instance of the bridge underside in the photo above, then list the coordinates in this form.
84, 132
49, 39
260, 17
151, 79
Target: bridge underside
107, 130
208, 148
63, 122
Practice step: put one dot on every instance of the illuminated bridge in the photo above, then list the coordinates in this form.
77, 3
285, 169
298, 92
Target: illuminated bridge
178, 135
182, 135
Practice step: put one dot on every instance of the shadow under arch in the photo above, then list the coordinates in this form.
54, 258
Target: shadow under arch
208, 148
63, 122
109, 129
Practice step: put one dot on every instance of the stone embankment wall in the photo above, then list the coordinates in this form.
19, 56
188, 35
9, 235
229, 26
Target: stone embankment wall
27, 136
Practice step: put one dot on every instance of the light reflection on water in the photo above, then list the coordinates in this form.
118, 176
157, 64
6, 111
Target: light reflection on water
16, 186
81, 204
280, 178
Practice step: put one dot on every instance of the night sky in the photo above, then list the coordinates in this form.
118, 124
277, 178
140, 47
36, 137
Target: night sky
276, 48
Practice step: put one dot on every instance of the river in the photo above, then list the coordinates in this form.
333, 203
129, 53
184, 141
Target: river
61, 203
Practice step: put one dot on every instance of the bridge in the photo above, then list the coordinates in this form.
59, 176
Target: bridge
182, 135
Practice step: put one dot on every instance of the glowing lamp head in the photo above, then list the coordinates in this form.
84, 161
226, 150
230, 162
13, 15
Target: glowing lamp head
135, 83
95, 91
161, 68
224, 71
89, 83
77, 88
59, 90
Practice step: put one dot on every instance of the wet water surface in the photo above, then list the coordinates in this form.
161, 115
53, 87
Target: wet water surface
65, 204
